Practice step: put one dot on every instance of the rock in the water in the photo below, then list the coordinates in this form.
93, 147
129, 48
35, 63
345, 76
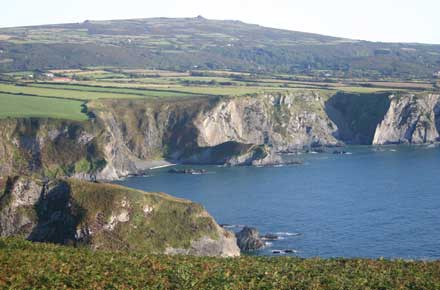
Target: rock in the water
289, 251
187, 171
270, 237
249, 239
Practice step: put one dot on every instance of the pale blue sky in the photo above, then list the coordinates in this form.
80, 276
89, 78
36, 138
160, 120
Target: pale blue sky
377, 20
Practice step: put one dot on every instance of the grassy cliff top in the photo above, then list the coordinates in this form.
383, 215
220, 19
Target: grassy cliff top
66, 94
40, 266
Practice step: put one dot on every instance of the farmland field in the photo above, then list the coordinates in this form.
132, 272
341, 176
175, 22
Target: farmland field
61, 95
14, 106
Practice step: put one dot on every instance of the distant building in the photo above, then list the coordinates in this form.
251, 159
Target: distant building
49, 75
437, 74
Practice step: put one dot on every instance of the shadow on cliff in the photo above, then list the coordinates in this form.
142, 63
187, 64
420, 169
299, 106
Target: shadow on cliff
357, 115
437, 117
57, 215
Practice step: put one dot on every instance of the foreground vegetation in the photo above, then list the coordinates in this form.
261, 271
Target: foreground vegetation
42, 266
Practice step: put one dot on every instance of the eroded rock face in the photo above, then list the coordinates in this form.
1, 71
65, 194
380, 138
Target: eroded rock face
411, 119
109, 217
16, 215
226, 246
285, 122
49, 147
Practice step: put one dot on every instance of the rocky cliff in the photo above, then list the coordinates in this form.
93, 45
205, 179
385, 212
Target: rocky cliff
129, 136
411, 119
235, 130
49, 147
103, 216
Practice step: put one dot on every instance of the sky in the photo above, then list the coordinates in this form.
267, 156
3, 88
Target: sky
375, 20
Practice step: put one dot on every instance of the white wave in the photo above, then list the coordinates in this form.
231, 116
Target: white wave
162, 166
233, 226
284, 252
287, 234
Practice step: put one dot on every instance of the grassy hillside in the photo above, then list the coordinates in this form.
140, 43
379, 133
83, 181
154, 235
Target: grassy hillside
42, 266
189, 43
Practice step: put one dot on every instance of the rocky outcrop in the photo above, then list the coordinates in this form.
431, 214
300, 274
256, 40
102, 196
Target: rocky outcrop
226, 246
110, 217
411, 119
248, 239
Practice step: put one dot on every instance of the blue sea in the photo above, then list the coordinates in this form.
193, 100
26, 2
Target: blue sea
372, 202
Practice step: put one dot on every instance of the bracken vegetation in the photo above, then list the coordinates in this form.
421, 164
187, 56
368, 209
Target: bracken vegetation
24, 265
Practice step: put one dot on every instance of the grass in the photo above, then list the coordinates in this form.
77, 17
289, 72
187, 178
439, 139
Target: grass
24, 265
174, 222
112, 92
114, 83
63, 93
16, 106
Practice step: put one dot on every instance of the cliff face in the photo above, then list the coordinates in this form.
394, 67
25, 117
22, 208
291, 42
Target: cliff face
357, 115
49, 147
129, 136
110, 217
212, 130
285, 122
411, 119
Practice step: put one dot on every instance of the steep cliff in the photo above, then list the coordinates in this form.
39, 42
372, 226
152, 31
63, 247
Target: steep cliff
235, 130
103, 216
49, 147
129, 136
357, 115
283, 121
411, 119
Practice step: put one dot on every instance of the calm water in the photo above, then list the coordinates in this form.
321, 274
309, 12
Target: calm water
368, 204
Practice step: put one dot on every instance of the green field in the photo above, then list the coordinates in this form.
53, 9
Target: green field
79, 92
16, 106
24, 265
114, 83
